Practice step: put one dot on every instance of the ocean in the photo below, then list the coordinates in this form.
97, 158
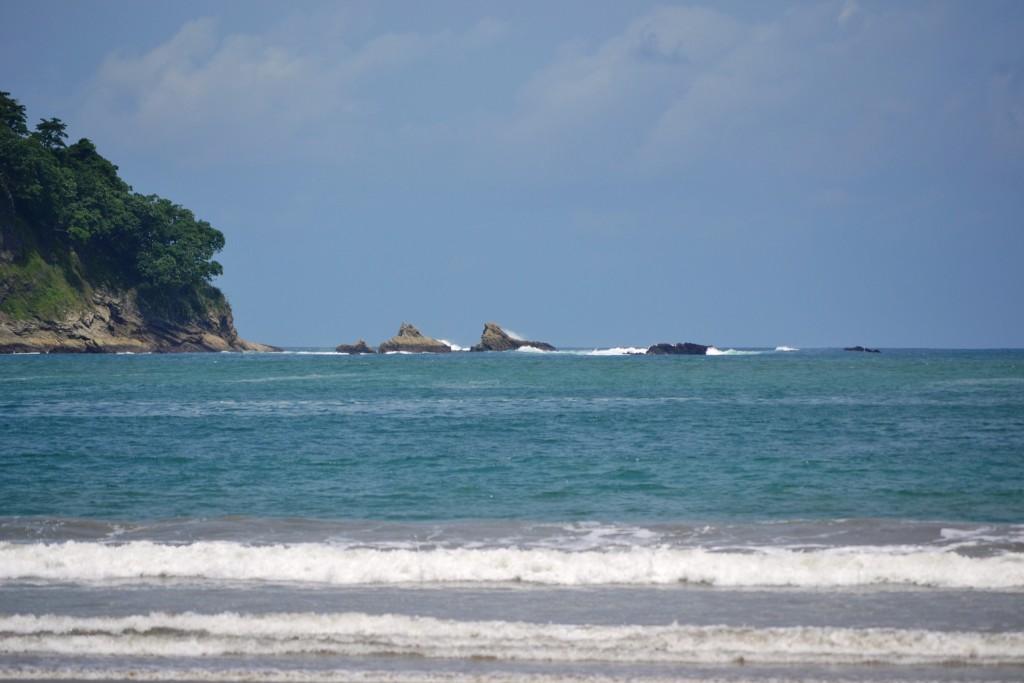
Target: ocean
584, 515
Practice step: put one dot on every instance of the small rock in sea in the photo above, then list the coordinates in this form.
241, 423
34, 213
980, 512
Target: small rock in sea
861, 349
360, 347
686, 349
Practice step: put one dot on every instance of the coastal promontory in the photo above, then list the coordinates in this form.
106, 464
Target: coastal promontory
496, 339
89, 265
410, 340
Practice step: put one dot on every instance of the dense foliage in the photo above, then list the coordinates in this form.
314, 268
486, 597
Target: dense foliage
65, 205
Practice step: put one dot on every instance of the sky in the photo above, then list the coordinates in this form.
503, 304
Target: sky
588, 173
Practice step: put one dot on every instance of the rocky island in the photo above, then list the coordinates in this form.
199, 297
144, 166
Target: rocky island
684, 349
496, 339
359, 348
410, 340
89, 266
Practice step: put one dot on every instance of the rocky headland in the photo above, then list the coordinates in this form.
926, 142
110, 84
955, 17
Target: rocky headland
88, 265
496, 339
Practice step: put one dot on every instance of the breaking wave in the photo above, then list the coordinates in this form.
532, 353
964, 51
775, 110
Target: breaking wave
160, 634
322, 563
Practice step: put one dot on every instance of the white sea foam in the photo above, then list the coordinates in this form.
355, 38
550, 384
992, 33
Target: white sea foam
712, 351
279, 675
617, 351
339, 565
160, 634
786, 348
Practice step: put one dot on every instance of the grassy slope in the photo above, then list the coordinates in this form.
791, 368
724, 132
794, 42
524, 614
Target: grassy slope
32, 287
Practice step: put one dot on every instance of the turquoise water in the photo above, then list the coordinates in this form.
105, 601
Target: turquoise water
812, 515
779, 435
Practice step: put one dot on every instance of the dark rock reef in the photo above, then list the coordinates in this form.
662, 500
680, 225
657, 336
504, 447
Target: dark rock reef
496, 339
114, 323
357, 349
686, 349
861, 349
411, 340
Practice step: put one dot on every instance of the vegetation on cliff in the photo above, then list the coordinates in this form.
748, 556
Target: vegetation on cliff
69, 224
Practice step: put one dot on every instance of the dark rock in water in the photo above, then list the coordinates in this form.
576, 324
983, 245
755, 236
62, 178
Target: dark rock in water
861, 349
687, 349
496, 339
356, 349
411, 340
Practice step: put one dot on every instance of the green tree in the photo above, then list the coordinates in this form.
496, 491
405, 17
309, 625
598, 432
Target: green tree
51, 133
33, 184
12, 114
175, 263
68, 204
99, 218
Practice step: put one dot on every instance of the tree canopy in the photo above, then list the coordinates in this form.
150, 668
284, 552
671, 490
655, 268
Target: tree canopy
67, 203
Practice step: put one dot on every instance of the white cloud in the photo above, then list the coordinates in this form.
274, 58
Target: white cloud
202, 95
849, 10
595, 106
692, 34
818, 88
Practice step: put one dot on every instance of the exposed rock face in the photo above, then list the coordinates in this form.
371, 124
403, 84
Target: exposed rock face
360, 347
411, 340
114, 324
496, 339
861, 349
687, 349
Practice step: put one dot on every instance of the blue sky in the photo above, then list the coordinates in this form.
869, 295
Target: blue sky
593, 173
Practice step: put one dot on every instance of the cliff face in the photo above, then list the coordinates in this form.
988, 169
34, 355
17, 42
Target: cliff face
114, 324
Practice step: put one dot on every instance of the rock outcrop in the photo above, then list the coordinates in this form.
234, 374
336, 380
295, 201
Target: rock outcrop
861, 349
114, 324
686, 349
496, 339
411, 340
359, 348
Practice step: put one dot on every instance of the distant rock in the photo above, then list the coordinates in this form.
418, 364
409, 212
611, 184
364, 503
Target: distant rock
496, 339
411, 340
687, 349
360, 347
861, 349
